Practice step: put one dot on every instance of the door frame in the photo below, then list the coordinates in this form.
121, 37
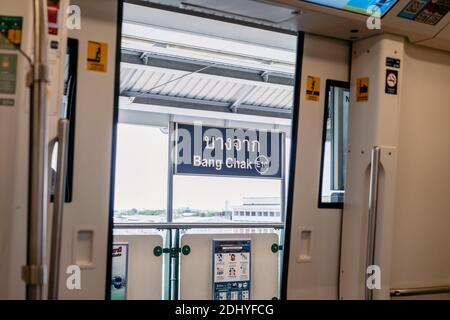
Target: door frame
292, 164
294, 135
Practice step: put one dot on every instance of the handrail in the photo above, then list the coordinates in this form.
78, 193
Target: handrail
198, 225
372, 223
408, 292
58, 207
34, 272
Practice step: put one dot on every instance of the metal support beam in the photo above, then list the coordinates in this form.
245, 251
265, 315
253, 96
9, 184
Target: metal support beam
189, 65
241, 96
200, 225
206, 105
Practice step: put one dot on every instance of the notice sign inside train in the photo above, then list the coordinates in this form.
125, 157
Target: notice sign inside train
425, 11
362, 89
238, 152
97, 59
312, 88
11, 32
391, 81
231, 269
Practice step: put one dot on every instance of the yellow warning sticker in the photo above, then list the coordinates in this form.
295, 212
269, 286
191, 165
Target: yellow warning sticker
312, 88
97, 58
362, 89
15, 36
10, 32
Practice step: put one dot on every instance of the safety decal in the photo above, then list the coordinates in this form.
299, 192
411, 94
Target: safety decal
425, 11
312, 88
10, 32
8, 73
97, 58
362, 89
391, 81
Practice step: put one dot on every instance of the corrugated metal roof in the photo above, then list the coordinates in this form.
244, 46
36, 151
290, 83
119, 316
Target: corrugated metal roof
173, 83
200, 76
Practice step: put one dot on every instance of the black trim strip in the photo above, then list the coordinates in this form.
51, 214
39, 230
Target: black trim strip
71, 109
72, 44
114, 151
292, 163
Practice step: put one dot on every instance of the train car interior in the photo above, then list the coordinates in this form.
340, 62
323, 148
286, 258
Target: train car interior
225, 150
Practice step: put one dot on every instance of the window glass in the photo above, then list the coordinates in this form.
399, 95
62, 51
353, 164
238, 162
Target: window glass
224, 199
334, 148
141, 186
141, 174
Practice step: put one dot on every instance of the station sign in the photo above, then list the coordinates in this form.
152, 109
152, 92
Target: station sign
203, 150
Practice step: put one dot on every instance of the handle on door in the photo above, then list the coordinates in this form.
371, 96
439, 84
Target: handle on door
58, 207
372, 225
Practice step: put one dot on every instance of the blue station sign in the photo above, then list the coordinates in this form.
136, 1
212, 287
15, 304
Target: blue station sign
238, 152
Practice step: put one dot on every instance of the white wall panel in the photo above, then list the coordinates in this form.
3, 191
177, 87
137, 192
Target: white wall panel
144, 281
89, 209
14, 132
422, 218
317, 279
372, 123
413, 132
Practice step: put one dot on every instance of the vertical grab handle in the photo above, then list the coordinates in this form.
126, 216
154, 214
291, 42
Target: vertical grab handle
58, 207
372, 225
33, 273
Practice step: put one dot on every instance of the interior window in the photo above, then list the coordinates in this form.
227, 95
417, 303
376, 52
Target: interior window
335, 137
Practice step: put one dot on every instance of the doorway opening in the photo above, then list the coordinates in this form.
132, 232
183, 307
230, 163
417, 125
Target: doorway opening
203, 142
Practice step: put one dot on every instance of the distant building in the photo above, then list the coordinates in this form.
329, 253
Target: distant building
260, 209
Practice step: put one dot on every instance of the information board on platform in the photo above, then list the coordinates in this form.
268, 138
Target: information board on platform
119, 271
231, 269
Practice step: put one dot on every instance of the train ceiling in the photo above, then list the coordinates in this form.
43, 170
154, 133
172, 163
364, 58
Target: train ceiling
424, 22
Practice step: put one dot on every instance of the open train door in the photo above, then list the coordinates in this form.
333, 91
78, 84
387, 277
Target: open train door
77, 52
86, 218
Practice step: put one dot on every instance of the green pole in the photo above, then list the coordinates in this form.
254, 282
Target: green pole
175, 258
167, 265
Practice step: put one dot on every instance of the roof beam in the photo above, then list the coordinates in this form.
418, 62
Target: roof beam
206, 105
173, 63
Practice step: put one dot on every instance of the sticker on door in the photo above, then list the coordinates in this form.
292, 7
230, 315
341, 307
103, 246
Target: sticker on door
97, 58
312, 88
362, 89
